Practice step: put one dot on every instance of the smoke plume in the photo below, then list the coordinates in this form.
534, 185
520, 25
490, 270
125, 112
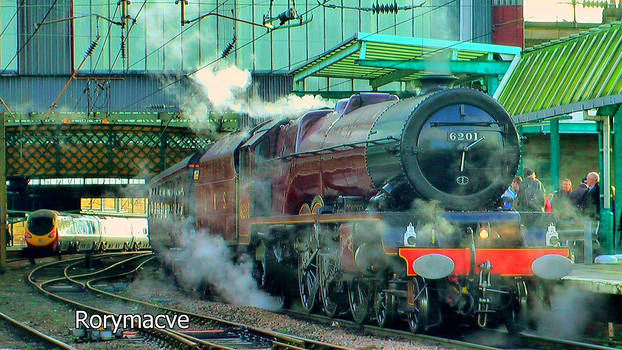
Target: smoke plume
227, 91
571, 310
204, 257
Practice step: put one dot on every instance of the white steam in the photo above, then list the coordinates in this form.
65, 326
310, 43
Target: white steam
205, 258
223, 86
227, 91
572, 309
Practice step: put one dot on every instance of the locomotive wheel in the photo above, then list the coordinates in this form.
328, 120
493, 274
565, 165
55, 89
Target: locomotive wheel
515, 318
538, 302
304, 210
359, 297
264, 282
94, 247
135, 247
316, 204
308, 281
125, 247
384, 308
418, 319
330, 298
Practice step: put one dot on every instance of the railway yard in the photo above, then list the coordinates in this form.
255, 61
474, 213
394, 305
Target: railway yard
311, 174
134, 283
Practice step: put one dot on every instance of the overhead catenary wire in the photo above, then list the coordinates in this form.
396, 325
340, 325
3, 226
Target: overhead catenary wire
103, 46
206, 65
376, 32
428, 53
127, 35
11, 19
47, 13
174, 37
197, 90
376, 8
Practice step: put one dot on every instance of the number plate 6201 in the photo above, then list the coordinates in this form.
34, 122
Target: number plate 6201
459, 136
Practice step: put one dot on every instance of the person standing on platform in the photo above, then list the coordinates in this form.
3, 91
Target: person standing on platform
592, 196
510, 196
9, 237
531, 194
578, 196
561, 198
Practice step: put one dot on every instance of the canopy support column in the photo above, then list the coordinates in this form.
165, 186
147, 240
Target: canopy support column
617, 154
492, 82
606, 216
554, 144
521, 150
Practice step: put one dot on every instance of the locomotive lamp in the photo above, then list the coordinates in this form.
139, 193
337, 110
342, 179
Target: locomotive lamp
552, 237
410, 236
483, 233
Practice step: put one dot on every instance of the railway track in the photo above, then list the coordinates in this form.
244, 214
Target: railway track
160, 336
210, 332
44, 338
523, 340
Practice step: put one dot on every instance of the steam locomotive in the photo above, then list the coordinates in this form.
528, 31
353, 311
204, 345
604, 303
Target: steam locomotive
381, 207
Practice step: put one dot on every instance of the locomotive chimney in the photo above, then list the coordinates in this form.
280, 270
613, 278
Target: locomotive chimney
431, 82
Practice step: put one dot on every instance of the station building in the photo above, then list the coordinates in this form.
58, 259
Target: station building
132, 60
132, 63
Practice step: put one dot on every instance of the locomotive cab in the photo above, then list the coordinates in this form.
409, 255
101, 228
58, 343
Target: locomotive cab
41, 230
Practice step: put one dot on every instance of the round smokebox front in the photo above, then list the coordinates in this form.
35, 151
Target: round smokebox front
460, 148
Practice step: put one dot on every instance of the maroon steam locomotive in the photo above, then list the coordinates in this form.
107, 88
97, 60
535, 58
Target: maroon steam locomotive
381, 207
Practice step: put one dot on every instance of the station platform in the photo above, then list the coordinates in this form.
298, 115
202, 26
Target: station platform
597, 278
15, 247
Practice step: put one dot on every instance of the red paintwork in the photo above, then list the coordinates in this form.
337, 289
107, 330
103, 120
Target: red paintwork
216, 193
505, 262
508, 24
342, 172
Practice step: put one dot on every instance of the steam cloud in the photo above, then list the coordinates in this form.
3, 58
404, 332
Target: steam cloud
226, 89
571, 311
206, 258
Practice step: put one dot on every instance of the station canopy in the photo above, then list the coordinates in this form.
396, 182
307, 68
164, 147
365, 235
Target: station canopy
575, 73
382, 59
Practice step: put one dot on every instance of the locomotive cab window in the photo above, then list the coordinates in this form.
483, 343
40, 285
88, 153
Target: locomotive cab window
262, 151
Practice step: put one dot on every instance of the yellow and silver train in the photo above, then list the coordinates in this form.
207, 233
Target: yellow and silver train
49, 230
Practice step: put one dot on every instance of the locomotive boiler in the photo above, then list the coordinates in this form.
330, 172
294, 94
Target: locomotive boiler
381, 207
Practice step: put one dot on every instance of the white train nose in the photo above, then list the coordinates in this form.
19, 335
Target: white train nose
551, 266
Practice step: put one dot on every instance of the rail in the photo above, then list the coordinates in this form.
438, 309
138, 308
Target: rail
44, 337
282, 340
171, 337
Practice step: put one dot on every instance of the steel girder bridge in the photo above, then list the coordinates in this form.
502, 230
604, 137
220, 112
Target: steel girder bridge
101, 149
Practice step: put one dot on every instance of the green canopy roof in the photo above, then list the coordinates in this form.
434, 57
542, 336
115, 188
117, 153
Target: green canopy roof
575, 73
383, 59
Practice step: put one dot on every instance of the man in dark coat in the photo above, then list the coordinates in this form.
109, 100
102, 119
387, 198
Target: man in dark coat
592, 197
531, 195
578, 196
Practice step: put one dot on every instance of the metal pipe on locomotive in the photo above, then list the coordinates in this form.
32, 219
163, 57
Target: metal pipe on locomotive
380, 205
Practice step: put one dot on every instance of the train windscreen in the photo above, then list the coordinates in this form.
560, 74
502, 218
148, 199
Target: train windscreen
40, 225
